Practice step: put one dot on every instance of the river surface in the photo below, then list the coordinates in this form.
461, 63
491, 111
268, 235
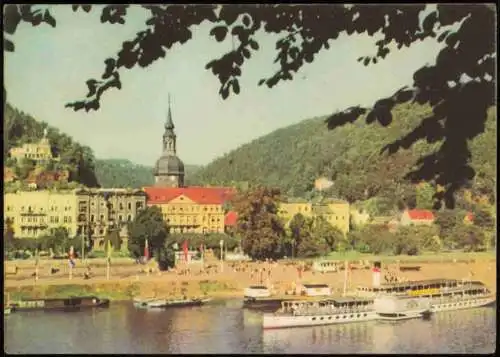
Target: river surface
227, 328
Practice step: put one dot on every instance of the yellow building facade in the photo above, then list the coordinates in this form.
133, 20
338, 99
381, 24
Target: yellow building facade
81, 211
336, 212
40, 151
34, 213
190, 209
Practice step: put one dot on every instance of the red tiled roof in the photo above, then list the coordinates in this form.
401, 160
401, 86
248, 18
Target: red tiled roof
231, 218
200, 195
421, 215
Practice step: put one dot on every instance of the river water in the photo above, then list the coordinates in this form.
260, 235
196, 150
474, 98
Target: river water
225, 327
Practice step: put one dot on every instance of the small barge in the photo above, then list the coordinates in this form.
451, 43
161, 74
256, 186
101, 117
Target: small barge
168, 303
64, 304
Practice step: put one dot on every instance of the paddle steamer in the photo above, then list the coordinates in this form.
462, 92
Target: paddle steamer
443, 294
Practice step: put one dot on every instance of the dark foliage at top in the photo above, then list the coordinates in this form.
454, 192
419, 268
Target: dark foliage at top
459, 107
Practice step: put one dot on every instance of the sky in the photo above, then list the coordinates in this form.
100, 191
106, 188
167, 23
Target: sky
50, 66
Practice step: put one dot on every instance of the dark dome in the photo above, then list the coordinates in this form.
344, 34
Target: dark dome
169, 165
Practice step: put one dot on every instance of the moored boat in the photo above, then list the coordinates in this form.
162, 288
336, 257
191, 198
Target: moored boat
167, 303
314, 313
70, 303
7, 310
260, 297
443, 294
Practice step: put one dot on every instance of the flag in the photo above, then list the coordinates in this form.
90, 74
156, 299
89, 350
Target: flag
146, 250
185, 250
110, 249
71, 256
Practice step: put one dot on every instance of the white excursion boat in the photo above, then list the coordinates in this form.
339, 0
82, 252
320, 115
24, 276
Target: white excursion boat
315, 313
443, 294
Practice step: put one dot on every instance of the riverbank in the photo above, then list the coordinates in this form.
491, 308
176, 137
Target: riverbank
126, 284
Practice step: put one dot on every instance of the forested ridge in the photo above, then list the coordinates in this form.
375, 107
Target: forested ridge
291, 158
21, 128
79, 160
121, 173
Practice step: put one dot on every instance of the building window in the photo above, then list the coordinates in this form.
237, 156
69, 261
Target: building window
129, 205
121, 206
129, 218
92, 218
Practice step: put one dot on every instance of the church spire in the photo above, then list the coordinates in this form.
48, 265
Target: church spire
169, 124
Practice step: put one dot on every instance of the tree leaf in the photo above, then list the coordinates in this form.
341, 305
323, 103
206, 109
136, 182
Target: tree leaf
8, 45
219, 32
236, 86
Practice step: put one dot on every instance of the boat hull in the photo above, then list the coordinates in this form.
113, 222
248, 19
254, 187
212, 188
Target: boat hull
165, 304
462, 304
406, 315
274, 321
66, 304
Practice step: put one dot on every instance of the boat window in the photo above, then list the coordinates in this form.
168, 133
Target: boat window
359, 315
313, 318
321, 318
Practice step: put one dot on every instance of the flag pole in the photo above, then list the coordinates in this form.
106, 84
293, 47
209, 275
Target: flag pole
108, 260
71, 250
346, 264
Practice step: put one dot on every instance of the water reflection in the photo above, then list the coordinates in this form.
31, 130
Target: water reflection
124, 329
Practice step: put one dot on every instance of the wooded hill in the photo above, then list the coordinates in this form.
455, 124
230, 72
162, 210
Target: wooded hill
79, 160
20, 128
121, 173
291, 159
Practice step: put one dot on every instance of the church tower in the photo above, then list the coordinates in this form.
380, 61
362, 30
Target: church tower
169, 169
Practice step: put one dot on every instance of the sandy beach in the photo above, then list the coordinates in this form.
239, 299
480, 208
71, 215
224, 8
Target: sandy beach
230, 280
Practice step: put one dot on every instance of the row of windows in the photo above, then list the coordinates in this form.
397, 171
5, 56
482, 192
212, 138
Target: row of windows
37, 156
35, 231
34, 208
189, 219
121, 218
35, 219
193, 208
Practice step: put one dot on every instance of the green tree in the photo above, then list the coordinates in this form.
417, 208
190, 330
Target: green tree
58, 241
447, 220
259, 225
425, 196
24, 168
332, 235
469, 237
377, 238
300, 229
9, 238
148, 224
